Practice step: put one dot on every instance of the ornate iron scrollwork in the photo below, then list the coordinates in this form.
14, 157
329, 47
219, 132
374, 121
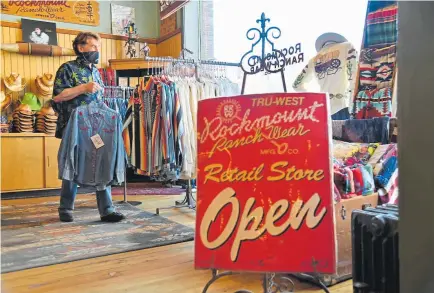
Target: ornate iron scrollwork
255, 61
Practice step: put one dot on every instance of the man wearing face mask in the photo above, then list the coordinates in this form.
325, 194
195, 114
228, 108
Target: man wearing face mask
77, 83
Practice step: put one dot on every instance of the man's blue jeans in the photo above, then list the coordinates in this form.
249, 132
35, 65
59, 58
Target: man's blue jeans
69, 192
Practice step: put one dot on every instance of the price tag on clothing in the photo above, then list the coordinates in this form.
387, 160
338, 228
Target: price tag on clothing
97, 141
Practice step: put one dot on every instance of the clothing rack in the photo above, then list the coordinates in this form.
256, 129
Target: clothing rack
188, 201
112, 90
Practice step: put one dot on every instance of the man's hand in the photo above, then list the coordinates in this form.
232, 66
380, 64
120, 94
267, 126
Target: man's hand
92, 87
71, 93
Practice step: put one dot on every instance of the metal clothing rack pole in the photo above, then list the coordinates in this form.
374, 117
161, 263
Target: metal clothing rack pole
111, 89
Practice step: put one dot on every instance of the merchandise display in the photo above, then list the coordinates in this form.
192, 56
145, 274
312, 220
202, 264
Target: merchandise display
46, 121
376, 88
45, 84
14, 82
111, 120
32, 101
23, 118
160, 124
334, 70
91, 152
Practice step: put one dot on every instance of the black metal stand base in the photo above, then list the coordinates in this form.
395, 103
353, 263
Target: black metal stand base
270, 283
187, 202
133, 203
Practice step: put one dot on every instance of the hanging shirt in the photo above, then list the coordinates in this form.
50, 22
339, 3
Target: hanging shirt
333, 69
79, 160
72, 74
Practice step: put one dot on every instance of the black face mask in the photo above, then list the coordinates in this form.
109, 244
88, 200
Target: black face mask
91, 57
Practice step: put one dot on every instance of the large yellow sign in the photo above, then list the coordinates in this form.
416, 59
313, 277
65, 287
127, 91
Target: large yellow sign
78, 11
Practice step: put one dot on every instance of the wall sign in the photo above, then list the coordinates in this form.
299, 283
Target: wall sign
78, 11
169, 7
264, 198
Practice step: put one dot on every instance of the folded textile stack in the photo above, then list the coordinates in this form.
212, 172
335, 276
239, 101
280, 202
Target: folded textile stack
46, 121
4, 125
23, 118
385, 164
361, 169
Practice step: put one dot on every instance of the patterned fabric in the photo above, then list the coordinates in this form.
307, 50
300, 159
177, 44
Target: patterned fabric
374, 103
151, 130
389, 194
377, 67
382, 27
363, 179
334, 71
375, 130
381, 154
390, 165
33, 236
377, 5
72, 74
79, 160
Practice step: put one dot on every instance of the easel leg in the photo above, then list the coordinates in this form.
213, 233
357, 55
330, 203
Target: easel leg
187, 202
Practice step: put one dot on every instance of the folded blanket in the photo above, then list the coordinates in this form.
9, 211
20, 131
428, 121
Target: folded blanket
374, 130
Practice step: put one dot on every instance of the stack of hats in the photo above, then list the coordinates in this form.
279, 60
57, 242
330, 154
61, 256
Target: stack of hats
23, 118
45, 84
46, 121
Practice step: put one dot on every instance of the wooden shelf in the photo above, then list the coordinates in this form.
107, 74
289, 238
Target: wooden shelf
133, 63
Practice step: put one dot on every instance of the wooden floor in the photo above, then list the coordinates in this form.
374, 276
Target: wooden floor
155, 270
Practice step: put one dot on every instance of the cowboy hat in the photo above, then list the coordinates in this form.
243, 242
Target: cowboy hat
45, 84
31, 100
5, 101
14, 82
23, 109
328, 37
46, 111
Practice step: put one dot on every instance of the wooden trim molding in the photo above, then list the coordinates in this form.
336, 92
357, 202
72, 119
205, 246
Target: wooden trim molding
102, 35
168, 36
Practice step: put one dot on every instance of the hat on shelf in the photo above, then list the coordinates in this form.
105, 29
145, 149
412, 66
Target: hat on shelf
46, 120
15, 82
23, 118
31, 100
5, 101
328, 38
45, 84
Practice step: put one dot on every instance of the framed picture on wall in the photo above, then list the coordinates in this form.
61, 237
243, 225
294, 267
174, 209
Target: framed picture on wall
39, 32
121, 16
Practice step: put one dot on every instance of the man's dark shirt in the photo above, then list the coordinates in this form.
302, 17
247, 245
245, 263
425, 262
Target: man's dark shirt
72, 74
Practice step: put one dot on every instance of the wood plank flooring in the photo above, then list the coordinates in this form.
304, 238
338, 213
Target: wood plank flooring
166, 269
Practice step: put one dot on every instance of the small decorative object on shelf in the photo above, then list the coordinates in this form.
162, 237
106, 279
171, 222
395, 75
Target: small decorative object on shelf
146, 50
131, 29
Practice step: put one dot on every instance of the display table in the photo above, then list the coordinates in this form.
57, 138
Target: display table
29, 162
